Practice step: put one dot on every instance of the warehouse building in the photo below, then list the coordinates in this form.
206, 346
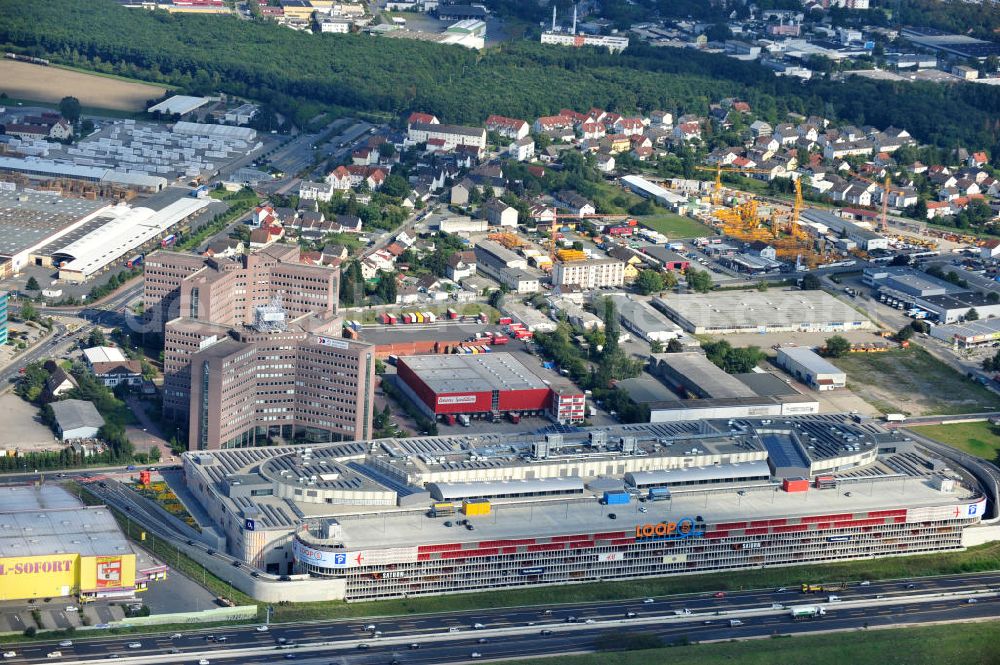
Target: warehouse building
823, 222
76, 419
45, 169
654, 192
639, 318
809, 368
124, 232
52, 546
738, 494
484, 385
32, 219
970, 334
771, 311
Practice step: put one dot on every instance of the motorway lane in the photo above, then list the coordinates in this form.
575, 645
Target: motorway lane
437, 625
460, 648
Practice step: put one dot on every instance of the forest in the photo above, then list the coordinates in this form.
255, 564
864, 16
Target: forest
296, 71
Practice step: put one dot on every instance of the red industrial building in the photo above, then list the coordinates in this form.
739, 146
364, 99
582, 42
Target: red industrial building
487, 385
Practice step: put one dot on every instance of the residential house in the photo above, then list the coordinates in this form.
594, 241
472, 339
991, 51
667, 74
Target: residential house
421, 118
629, 126
111, 367
592, 130
339, 179
542, 214
523, 149
687, 131
575, 204
978, 159
510, 128
316, 191
460, 192
760, 128
499, 213
553, 122
661, 118
461, 265
59, 382
605, 162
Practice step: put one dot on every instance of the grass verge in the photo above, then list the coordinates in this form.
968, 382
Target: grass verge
977, 439
675, 226
923, 645
914, 382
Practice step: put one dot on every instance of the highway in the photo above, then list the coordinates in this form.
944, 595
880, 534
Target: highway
450, 637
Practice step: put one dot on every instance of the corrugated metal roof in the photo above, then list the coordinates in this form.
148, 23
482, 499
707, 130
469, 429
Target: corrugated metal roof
719, 472
446, 491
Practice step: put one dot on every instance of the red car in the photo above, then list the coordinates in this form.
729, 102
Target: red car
720, 594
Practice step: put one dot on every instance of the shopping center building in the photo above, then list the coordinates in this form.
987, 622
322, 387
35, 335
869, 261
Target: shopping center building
448, 514
52, 546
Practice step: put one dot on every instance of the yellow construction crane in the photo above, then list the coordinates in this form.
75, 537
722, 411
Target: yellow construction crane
719, 170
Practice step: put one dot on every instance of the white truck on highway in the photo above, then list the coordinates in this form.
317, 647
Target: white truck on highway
894, 417
806, 612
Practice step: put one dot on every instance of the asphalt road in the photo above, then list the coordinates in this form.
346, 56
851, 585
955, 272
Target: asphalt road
710, 621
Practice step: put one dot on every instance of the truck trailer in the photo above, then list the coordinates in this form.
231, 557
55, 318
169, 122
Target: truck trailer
800, 612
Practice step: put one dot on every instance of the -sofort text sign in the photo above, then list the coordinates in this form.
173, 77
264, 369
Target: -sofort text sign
682, 528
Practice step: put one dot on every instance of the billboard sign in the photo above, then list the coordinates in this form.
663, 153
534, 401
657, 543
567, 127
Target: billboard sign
457, 399
344, 559
683, 528
249, 525
604, 557
109, 571
335, 343
952, 512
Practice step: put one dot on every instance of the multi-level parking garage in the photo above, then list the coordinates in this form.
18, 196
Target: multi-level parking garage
403, 517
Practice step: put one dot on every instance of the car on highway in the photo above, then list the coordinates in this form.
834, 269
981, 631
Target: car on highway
476, 654
54, 654
630, 615
781, 589
10, 654
135, 645
483, 640
612, 516
865, 583
649, 601
66, 643
204, 661
719, 594
478, 626
261, 629
971, 601
415, 645
364, 646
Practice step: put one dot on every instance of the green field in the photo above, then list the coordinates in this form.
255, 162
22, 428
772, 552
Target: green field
675, 226
973, 643
977, 439
913, 382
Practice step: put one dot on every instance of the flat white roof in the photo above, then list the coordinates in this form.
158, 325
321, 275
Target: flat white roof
129, 228
809, 359
179, 104
653, 189
104, 354
215, 131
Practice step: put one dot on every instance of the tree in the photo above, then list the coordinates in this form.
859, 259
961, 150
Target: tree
656, 346
993, 297
649, 281
836, 346
154, 454
719, 32
32, 285
900, 260
96, 338
810, 283
69, 108
496, 299
674, 346
396, 185
698, 280
386, 288
972, 314
904, 333
28, 312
